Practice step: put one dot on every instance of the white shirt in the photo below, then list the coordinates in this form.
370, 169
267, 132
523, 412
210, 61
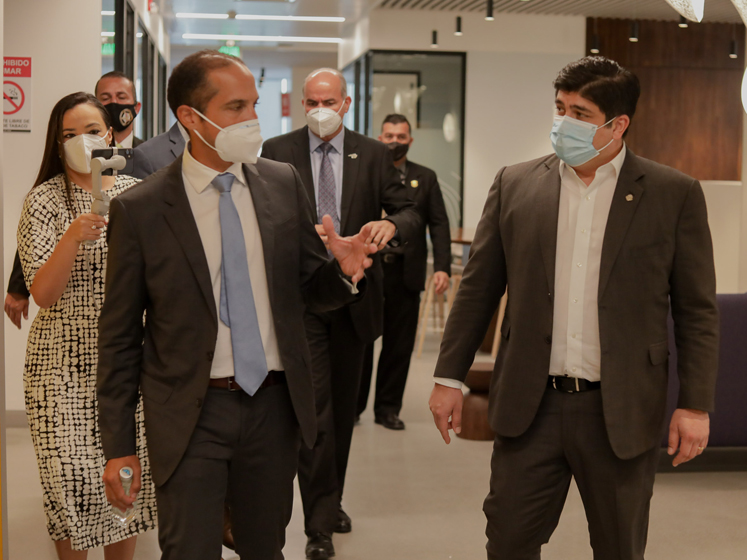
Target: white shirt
335, 159
582, 220
126, 142
204, 201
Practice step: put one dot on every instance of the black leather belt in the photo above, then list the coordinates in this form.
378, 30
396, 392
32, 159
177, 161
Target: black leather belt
273, 378
572, 384
390, 257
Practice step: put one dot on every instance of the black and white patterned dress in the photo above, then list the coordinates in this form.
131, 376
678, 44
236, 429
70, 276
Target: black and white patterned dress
60, 378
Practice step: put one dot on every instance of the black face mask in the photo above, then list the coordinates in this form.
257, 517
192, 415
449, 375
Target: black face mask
398, 150
121, 115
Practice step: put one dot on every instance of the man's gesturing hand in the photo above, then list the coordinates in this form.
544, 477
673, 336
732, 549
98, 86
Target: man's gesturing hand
351, 252
688, 431
113, 486
446, 405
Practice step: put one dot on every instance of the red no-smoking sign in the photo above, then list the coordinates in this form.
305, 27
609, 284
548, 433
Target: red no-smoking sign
13, 98
16, 93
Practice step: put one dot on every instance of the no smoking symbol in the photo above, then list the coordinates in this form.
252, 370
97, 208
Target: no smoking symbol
13, 98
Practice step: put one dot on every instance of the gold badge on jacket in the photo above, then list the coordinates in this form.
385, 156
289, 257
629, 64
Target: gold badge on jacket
629, 197
414, 184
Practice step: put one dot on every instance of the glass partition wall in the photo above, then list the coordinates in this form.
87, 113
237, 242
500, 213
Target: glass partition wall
428, 88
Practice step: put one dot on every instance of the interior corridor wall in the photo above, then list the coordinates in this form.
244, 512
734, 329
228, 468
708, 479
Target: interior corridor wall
3, 424
511, 63
63, 40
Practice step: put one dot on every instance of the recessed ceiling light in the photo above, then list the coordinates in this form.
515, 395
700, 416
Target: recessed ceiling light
108, 12
317, 19
261, 38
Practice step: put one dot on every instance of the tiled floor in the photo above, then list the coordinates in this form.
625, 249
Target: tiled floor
413, 498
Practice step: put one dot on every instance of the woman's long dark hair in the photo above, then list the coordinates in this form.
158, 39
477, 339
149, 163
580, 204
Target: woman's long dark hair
53, 162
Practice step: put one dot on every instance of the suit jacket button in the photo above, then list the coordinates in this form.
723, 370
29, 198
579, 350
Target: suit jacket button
210, 356
548, 339
198, 402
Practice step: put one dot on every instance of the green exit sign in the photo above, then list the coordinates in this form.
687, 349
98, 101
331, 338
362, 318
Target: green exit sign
107, 49
233, 51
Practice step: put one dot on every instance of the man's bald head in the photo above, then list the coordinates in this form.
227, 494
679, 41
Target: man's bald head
325, 77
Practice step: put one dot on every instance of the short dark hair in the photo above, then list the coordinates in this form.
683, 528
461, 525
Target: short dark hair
396, 118
189, 85
120, 75
604, 82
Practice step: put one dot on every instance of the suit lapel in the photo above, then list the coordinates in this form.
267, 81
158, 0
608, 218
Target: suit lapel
413, 175
302, 162
547, 217
177, 147
350, 161
628, 194
178, 214
262, 207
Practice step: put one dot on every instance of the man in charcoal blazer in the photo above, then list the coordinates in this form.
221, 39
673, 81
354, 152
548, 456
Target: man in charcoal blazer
213, 434
362, 182
594, 248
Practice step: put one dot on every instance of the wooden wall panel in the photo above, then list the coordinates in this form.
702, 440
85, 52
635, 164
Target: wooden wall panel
689, 115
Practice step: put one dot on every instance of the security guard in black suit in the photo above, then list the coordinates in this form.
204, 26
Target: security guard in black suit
404, 278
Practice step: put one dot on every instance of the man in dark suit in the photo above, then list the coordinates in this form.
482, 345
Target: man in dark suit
350, 177
594, 243
222, 258
404, 278
118, 94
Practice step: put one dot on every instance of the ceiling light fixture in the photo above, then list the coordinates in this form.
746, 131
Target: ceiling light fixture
434, 39
595, 40
261, 38
458, 31
691, 9
108, 12
489, 14
107, 33
250, 17
683, 22
634, 28
733, 51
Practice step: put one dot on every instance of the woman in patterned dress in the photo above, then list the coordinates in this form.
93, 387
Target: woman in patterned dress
63, 252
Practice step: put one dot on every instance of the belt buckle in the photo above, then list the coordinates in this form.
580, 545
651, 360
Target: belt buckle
231, 385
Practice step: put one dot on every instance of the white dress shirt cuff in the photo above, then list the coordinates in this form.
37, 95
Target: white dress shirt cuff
453, 383
353, 287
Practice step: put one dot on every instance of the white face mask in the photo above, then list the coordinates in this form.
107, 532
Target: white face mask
324, 121
238, 143
78, 151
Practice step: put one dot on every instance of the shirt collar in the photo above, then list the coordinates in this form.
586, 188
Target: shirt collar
337, 142
616, 163
200, 175
127, 141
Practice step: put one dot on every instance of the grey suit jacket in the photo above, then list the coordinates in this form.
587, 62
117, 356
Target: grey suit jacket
656, 250
157, 152
157, 265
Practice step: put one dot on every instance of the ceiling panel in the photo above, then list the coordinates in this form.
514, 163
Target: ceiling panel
715, 10
352, 10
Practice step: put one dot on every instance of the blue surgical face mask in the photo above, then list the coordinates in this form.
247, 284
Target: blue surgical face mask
573, 140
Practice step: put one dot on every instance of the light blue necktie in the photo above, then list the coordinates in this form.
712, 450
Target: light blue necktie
237, 308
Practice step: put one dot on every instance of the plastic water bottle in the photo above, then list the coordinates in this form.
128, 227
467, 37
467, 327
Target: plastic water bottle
123, 518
